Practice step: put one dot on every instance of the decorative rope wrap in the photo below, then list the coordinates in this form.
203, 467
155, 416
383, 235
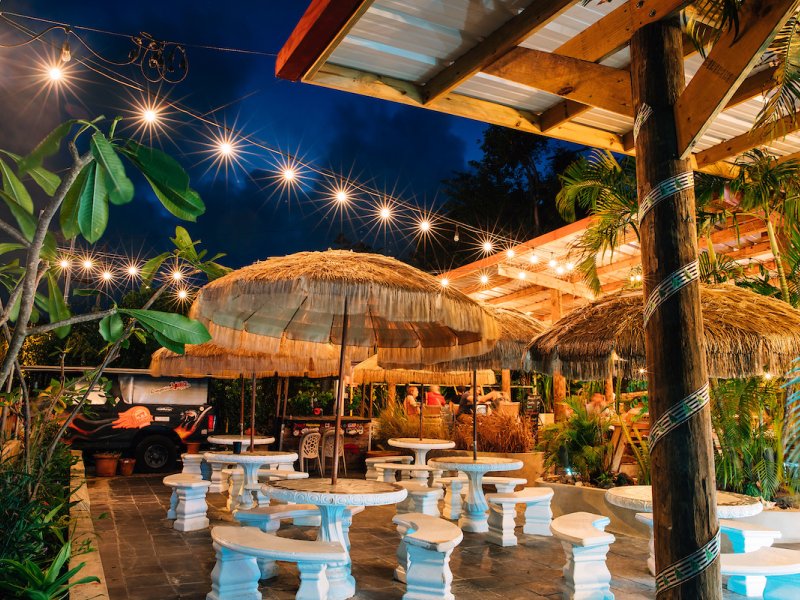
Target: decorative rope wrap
689, 567
678, 413
697, 562
665, 189
672, 284
644, 112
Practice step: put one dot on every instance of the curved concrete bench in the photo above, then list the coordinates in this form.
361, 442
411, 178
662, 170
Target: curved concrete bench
453, 503
779, 566
236, 574
423, 556
503, 510
504, 485
377, 474
187, 505
585, 545
420, 498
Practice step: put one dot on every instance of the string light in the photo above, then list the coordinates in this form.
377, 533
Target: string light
534, 259
55, 73
182, 294
642, 371
638, 278
552, 263
559, 270
767, 375
341, 196
133, 270
177, 275
87, 264
64, 263
445, 282
510, 253
107, 275
425, 226
522, 275
484, 279
570, 266
456, 237
385, 213
289, 174
486, 246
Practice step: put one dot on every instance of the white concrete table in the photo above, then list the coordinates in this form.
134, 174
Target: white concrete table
474, 517
332, 501
230, 440
250, 462
640, 499
421, 447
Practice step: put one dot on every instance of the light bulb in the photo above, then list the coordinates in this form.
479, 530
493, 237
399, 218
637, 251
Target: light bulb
107, 276
66, 55
484, 279
133, 270
510, 253
289, 174
445, 282
641, 371
385, 213
225, 148
455, 235
570, 266
425, 226
55, 73
534, 259
177, 275
767, 375
64, 264
87, 264
487, 246
638, 278
522, 275
559, 270
183, 294
149, 116
553, 263
341, 196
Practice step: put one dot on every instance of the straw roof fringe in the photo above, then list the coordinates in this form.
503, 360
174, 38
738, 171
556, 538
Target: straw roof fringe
517, 331
210, 360
391, 305
746, 334
370, 372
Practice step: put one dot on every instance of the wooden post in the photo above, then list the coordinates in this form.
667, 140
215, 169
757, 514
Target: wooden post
559, 383
340, 394
363, 400
252, 447
371, 398
684, 486
391, 394
278, 394
241, 401
609, 391
505, 382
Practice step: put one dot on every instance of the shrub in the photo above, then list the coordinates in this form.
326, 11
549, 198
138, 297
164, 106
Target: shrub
394, 423
496, 433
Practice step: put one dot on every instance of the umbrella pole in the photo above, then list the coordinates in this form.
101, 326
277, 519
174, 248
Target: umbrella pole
474, 414
253, 415
241, 408
339, 396
421, 409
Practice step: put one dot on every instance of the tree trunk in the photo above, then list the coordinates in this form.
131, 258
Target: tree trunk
505, 382
684, 490
776, 252
559, 383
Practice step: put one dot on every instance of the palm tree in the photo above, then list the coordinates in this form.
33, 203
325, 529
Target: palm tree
770, 189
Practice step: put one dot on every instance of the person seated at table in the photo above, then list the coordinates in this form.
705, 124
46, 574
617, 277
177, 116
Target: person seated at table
410, 404
597, 405
434, 397
492, 399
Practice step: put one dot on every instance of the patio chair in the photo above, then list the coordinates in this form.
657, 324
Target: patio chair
327, 450
309, 448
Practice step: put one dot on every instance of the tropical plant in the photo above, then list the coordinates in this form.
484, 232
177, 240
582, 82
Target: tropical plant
498, 432
749, 418
792, 417
28, 580
579, 445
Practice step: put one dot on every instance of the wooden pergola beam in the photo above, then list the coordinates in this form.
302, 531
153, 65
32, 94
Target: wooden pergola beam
726, 67
545, 280
508, 36
575, 79
750, 139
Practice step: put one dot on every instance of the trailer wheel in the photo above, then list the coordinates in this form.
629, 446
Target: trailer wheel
155, 453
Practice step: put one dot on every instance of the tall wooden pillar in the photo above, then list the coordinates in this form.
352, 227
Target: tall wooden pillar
391, 394
559, 383
684, 490
609, 391
505, 382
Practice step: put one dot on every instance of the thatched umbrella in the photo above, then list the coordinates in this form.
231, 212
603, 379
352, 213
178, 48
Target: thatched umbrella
746, 334
210, 360
348, 299
517, 330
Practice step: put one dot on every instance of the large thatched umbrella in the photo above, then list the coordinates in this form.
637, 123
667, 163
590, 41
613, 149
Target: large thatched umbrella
347, 299
746, 334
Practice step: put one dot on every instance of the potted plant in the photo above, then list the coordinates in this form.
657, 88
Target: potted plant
106, 463
126, 466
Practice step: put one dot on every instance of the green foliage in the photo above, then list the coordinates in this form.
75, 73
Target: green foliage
579, 445
748, 417
28, 580
781, 101
174, 329
792, 421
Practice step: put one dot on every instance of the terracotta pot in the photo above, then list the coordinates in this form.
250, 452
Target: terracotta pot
126, 466
192, 447
106, 464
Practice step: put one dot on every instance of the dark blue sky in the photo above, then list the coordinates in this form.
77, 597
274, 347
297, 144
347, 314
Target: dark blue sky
393, 146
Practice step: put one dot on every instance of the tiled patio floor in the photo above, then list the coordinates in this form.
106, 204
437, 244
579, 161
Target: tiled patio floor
145, 559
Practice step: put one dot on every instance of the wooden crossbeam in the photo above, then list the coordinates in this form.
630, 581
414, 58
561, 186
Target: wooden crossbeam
507, 36
726, 67
749, 251
560, 113
495, 281
750, 139
545, 280
571, 78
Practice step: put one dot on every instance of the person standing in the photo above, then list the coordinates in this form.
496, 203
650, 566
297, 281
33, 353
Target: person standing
434, 397
410, 404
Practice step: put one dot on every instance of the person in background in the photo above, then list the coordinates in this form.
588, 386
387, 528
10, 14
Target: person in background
597, 405
465, 404
410, 404
434, 396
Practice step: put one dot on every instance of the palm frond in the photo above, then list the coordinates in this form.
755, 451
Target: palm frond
780, 107
705, 21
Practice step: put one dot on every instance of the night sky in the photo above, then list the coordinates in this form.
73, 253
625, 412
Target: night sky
388, 145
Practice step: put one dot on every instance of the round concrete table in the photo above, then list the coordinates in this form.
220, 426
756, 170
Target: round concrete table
421, 447
230, 439
332, 501
474, 518
250, 462
640, 499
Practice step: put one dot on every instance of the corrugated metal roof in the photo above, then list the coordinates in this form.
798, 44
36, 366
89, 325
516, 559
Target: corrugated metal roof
413, 40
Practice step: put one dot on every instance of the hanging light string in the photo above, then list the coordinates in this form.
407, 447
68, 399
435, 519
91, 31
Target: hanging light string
383, 207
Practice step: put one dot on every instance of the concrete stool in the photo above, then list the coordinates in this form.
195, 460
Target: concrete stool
420, 499
424, 556
234, 479
188, 502
453, 503
504, 485
779, 566
219, 483
503, 510
585, 545
377, 475
192, 464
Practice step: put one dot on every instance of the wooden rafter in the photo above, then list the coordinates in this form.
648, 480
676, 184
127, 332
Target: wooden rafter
545, 280
507, 36
571, 78
726, 67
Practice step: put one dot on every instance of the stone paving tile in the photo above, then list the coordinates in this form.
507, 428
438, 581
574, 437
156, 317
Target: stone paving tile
145, 559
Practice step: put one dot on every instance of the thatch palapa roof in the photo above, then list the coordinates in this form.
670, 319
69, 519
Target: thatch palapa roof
392, 306
369, 371
746, 334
